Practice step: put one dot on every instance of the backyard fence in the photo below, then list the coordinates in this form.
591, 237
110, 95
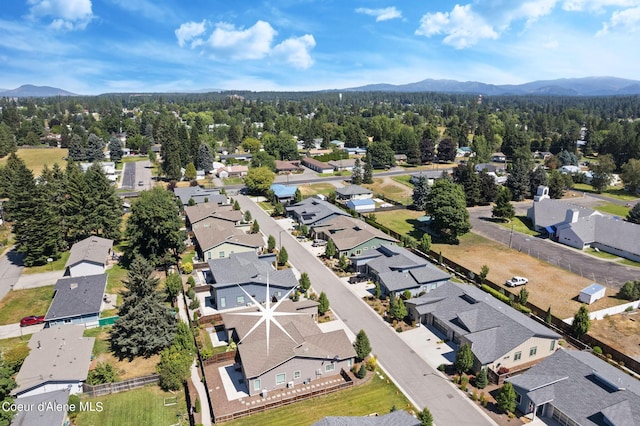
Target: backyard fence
221, 357
125, 385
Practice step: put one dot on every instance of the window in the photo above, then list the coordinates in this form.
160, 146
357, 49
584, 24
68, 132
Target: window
240, 300
533, 351
208, 255
349, 362
297, 374
329, 367
223, 302
281, 378
553, 346
221, 254
256, 385
518, 398
517, 356
278, 294
358, 252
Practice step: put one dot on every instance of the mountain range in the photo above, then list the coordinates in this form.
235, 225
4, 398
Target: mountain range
587, 86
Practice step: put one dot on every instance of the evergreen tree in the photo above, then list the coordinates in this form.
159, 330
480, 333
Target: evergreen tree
362, 346
634, 214
518, 180
447, 207
420, 192
367, 170
7, 140
537, 177
135, 335
105, 207
7, 384
558, 184
76, 150
581, 322
464, 359
330, 249
95, 148
271, 243
425, 417
470, 181
247, 216
630, 175
506, 398
255, 227
323, 306
304, 281
523, 296
190, 172
283, 256
398, 310
427, 146
205, 158
602, 172
153, 229
481, 379
77, 223
236, 205
297, 197
356, 173
503, 208
115, 150
488, 188
425, 243
548, 318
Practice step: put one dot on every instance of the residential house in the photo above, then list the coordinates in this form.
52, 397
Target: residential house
498, 157
198, 213
582, 227
353, 192
400, 158
337, 144
200, 195
394, 418
345, 164
88, 257
286, 167
397, 269
245, 156
77, 300
351, 236
232, 171
430, 176
489, 168
577, 388
465, 151
570, 169
499, 336
284, 193
315, 152
249, 272
288, 354
59, 358
108, 167
316, 165
312, 211
355, 151
361, 206
217, 239
48, 415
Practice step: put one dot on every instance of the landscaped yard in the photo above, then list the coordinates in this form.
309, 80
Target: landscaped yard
144, 406
233, 181
20, 303
56, 265
309, 190
36, 158
520, 224
402, 221
392, 190
115, 275
378, 395
614, 209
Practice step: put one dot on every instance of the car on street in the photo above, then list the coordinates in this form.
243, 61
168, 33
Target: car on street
516, 281
31, 320
140, 183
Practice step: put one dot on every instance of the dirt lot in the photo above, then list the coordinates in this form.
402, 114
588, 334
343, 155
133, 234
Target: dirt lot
626, 328
548, 284
391, 189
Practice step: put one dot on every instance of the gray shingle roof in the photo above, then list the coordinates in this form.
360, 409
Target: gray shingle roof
583, 387
57, 354
618, 233
348, 232
395, 418
211, 233
199, 194
245, 268
75, 296
92, 249
550, 212
492, 327
42, 417
203, 211
351, 190
311, 211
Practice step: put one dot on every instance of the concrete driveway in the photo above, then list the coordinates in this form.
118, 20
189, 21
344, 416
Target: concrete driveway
14, 330
422, 384
10, 270
37, 280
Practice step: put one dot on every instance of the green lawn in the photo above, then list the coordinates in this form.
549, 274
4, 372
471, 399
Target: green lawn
101, 345
233, 181
617, 193
143, 406
20, 303
404, 179
375, 396
614, 209
56, 265
187, 256
266, 206
115, 275
13, 342
630, 263
36, 158
402, 221
601, 254
520, 224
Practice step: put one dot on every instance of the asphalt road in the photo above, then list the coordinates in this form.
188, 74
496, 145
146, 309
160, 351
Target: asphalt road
10, 270
421, 383
143, 174
602, 271
128, 180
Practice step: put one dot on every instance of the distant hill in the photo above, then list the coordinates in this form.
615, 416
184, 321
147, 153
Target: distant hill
31, 91
588, 86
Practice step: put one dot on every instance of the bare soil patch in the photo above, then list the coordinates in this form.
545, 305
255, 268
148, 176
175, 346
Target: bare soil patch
626, 329
391, 189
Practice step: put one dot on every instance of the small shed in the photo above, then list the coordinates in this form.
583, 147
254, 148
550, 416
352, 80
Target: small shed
592, 293
362, 206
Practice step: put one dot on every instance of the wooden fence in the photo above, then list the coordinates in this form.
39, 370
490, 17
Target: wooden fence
125, 385
210, 319
221, 357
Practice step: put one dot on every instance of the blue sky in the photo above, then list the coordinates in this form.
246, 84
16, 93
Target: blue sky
98, 46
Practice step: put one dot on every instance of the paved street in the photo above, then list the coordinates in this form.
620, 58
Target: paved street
603, 271
421, 383
10, 270
143, 174
127, 180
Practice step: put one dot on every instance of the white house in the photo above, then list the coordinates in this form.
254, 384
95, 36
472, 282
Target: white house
88, 257
592, 293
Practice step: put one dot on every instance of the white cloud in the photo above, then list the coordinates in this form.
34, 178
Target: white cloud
532, 10
295, 50
384, 14
596, 5
462, 27
626, 20
251, 43
189, 32
66, 14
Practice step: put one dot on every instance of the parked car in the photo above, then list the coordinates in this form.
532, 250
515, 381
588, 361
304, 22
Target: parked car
319, 243
516, 281
31, 320
140, 183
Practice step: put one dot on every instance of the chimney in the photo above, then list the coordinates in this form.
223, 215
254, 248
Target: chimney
572, 215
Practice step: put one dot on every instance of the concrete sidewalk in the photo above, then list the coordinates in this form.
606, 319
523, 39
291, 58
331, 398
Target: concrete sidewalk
14, 330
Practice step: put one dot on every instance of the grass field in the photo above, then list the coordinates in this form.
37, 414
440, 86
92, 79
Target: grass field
520, 224
309, 190
115, 275
144, 406
13, 342
614, 209
56, 265
389, 188
375, 396
402, 221
20, 303
233, 181
36, 158
404, 179
613, 192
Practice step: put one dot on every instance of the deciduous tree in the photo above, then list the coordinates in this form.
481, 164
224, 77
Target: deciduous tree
258, 180
447, 207
323, 305
506, 398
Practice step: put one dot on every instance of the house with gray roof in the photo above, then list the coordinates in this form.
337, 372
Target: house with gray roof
397, 269
351, 236
499, 336
317, 165
59, 358
582, 227
313, 211
394, 418
76, 300
36, 417
216, 239
290, 353
353, 192
344, 164
199, 212
88, 257
249, 272
200, 195
578, 388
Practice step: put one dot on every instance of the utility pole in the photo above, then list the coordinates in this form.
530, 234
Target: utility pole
511, 235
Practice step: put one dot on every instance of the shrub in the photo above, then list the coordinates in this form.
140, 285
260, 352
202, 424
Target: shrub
103, 373
194, 304
362, 371
497, 294
483, 399
629, 309
74, 406
597, 349
481, 379
399, 329
442, 367
187, 268
474, 395
191, 281
197, 407
206, 353
456, 379
371, 363
191, 294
